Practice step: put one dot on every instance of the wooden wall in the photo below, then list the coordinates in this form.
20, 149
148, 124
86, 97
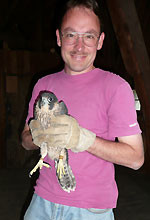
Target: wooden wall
19, 70
136, 59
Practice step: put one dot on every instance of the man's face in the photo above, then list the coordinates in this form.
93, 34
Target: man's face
79, 57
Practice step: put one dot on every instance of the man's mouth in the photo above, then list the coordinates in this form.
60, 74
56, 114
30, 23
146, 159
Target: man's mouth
77, 56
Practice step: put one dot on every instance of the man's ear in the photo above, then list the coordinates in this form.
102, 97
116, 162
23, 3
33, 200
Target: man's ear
58, 38
100, 41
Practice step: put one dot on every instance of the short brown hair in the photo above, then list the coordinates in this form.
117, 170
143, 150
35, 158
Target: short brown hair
67, 5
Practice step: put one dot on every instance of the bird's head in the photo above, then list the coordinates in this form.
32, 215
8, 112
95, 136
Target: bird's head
47, 106
47, 100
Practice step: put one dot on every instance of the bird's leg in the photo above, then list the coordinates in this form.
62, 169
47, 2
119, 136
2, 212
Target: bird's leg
43, 155
41, 162
60, 165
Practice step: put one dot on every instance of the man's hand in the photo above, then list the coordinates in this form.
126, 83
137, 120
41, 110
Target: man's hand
64, 132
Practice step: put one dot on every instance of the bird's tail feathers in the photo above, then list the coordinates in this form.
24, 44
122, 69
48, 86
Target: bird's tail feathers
65, 177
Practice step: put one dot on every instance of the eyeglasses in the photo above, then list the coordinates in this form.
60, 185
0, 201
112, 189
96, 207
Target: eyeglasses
89, 39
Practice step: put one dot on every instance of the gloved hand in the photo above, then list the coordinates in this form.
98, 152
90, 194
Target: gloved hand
37, 132
64, 132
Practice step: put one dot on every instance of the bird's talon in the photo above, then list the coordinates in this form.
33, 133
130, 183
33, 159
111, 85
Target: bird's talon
39, 165
60, 168
46, 165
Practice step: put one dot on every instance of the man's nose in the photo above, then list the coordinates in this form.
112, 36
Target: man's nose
79, 45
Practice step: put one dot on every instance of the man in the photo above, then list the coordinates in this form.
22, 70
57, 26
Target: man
102, 103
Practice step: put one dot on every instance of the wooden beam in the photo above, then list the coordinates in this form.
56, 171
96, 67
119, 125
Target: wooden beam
2, 114
134, 53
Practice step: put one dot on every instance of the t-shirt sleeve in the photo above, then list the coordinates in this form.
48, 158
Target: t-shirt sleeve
122, 113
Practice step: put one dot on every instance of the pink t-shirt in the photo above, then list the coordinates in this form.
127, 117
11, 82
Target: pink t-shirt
103, 103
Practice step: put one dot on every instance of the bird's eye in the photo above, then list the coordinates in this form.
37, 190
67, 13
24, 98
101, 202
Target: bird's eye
50, 99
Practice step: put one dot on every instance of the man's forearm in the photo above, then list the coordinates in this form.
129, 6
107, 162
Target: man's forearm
118, 152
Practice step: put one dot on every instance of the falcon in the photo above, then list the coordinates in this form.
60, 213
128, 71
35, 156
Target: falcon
46, 108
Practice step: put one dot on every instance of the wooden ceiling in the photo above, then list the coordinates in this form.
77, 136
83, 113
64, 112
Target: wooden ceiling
28, 24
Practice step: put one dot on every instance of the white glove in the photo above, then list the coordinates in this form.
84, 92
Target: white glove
63, 132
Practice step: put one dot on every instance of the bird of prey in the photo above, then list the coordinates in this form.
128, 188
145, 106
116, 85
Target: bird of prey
46, 107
